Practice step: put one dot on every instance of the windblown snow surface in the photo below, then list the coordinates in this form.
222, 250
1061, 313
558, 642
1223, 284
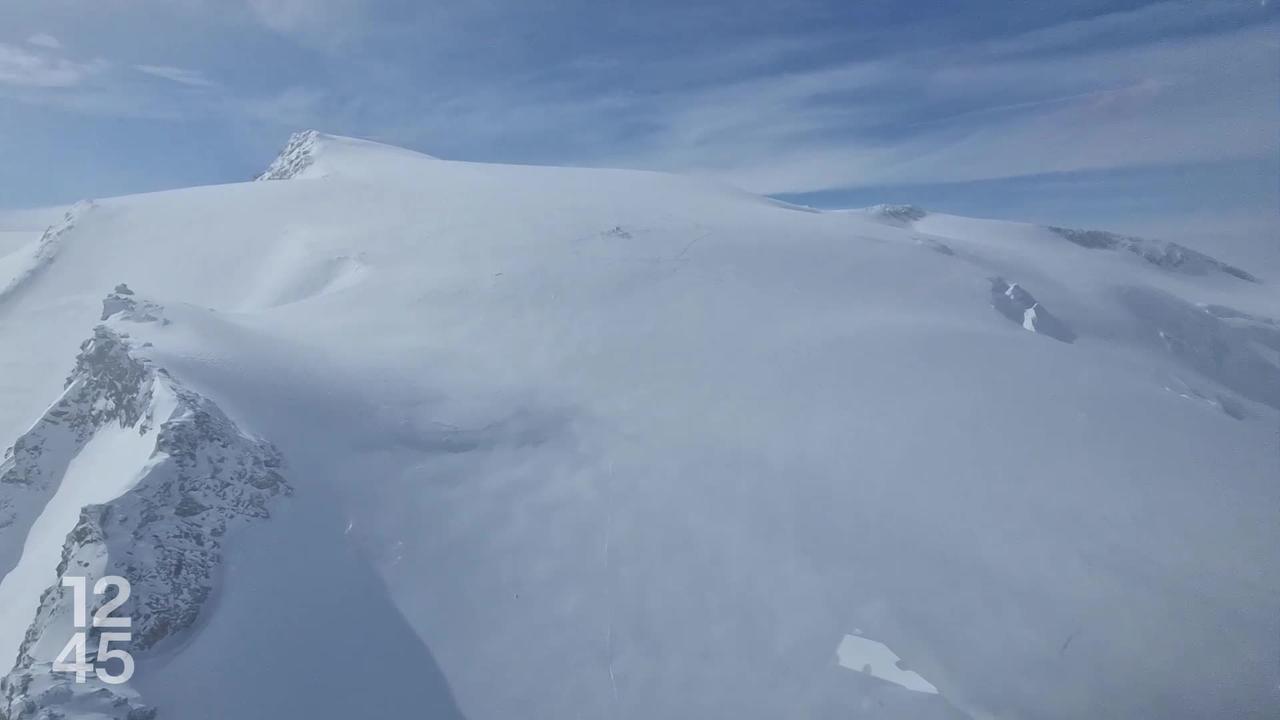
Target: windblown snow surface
569, 443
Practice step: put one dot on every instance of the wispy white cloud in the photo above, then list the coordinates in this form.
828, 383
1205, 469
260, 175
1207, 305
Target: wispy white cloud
1122, 90
24, 68
1119, 27
97, 87
748, 96
323, 22
182, 76
1186, 99
44, 40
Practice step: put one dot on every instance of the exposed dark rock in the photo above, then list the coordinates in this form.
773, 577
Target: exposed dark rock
1164, 255
164, 534
1015, 303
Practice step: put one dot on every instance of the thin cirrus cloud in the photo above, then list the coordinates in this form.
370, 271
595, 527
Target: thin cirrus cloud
815, 97
182, 76
41, 72
1166, 82
25, 68
1180, 100
326, 23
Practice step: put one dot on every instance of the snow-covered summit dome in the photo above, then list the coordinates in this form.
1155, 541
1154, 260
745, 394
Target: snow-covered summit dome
311, 153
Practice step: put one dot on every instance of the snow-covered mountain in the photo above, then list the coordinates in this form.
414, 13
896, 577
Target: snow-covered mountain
395, 436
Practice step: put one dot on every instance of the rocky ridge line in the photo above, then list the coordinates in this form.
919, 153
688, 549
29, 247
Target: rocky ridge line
164, 534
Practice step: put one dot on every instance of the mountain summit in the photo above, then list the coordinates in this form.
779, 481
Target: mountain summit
449, 440
310, 153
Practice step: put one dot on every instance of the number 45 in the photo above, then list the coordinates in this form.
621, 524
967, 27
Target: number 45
81, 666
76, 647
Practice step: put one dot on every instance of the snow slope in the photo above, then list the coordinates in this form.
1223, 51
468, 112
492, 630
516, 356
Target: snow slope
611, 444
19, 227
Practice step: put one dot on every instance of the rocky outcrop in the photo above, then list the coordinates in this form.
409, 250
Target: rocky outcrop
164, 534
123, 304
40, 694
1164, 255
897, 214
1015, 303
46, 249
298, 155
108, 385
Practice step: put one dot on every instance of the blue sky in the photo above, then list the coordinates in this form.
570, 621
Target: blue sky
1156, 117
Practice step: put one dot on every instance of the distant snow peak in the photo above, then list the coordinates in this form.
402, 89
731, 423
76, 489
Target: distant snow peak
899, 214
1015, 303
1165, 255
298, 154
313, 154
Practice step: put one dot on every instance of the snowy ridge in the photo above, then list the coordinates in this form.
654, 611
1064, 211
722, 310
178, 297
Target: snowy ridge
1239, 351
164, 531
1165, 255
1264, 331
108, 385
21, 266
313, 154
